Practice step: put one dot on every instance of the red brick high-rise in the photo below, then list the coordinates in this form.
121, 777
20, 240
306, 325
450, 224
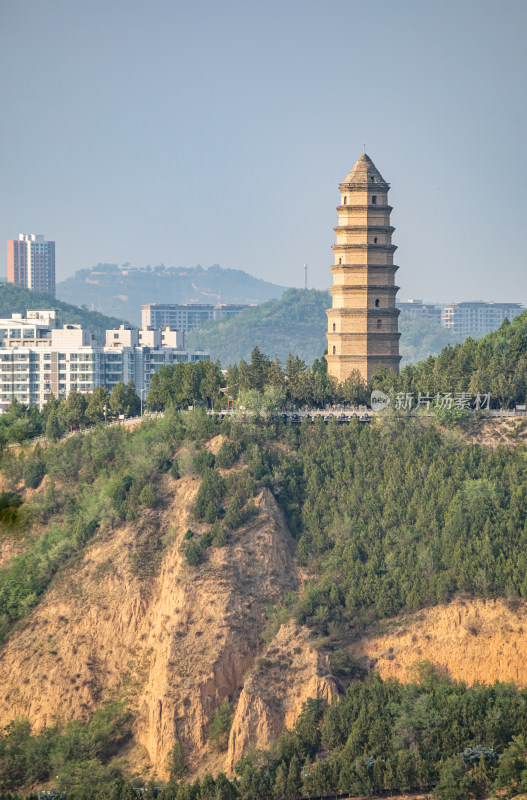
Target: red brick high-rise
31, 263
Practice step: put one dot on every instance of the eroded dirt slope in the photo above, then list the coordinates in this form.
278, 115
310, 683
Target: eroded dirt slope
288, 673
475, 641
174, 644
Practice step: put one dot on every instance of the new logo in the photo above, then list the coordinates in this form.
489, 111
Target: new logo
379, 400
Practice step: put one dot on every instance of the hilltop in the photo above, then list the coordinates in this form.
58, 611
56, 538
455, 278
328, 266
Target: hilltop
192, 590
122, 292
296, 323
17, 299
273, 610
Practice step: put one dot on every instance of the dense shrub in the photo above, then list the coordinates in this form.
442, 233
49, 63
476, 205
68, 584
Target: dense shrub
228, 453
74, 755
147, 496
210, 492
10, 502
234, 513
33, 473
193, 554
220, 726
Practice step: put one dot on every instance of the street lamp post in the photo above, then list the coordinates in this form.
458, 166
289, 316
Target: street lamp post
144, 389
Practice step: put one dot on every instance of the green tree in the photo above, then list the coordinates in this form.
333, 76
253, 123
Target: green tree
274, 398
258, 368
280, 782
511, 774
98, 405
53, 432
133, 403
294, 781
454, 783
251, 400
177, 765
193, 554
234, 514
124, 399
72, 412
119, 399
220, 726
147, 496
211, 383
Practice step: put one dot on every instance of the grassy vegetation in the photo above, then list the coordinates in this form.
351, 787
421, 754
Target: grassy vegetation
92, 482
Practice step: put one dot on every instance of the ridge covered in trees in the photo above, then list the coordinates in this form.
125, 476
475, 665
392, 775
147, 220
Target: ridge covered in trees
496, 364
296, 323
17, 299
390, 517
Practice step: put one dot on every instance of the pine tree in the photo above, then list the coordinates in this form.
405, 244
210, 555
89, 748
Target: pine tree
234, 515
390, 778
280, 782
119, 398
53, 432
258, 368
294, 782
72, 412
98, 405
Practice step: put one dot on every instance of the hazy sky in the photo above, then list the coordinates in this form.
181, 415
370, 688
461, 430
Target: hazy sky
217, 131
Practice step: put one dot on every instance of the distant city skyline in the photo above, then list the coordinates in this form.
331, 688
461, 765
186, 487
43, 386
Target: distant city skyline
184, 134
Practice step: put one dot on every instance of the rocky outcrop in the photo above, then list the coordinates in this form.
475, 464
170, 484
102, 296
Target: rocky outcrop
289, 672
475, 641
206, 631
174, 645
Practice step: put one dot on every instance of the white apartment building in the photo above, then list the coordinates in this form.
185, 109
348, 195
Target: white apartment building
478, 317
421, 309
132, 354
38, 358
188, 316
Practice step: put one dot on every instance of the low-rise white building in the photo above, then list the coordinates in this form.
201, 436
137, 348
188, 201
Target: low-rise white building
38, 358
479, 317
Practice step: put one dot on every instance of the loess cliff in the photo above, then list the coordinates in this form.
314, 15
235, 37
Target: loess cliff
172, 640
474, 641
131, 620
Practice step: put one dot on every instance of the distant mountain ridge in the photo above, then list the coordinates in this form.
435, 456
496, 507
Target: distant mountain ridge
122, 291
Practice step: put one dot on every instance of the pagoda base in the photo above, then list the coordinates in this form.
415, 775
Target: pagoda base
341, 367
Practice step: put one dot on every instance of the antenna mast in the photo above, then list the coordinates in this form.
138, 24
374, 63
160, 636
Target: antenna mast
305, 276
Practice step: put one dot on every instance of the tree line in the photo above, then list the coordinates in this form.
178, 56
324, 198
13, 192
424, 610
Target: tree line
58, 416
495, 365
381, 737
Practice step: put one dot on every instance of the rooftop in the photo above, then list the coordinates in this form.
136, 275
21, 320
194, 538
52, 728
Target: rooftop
364, 171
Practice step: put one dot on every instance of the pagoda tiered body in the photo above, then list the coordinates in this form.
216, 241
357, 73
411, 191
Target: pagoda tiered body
363, 332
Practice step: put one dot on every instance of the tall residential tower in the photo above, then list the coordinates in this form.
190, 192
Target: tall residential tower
363, 333
31, 263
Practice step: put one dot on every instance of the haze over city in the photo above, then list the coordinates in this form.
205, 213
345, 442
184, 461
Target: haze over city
186, 133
